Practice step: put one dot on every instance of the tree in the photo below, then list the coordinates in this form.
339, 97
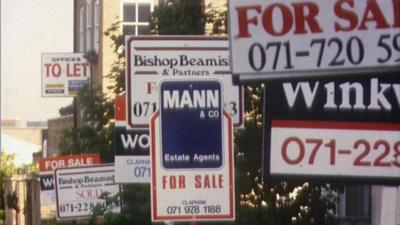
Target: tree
178, 17
95, 131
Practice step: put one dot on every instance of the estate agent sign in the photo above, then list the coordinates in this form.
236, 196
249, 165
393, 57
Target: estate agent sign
63, 74
344, 128
191, 153
79, 189
150, 59
291, 38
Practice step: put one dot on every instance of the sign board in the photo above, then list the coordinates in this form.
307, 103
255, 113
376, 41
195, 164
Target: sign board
63, 74
132, 150
283, 39
149, 59
347, 128
79, 189
192, 160
49, 164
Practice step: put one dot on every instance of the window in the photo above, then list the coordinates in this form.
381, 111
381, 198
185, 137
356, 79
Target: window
97, 25
88, 24
82, 29
355, 204
136, 16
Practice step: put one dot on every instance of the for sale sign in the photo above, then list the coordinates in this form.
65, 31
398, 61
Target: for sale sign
291, 38
191, 153
132, 149
49, 164
63, 74
80, 189
150, 59
344, 128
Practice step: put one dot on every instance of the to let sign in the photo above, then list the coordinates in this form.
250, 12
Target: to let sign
191, 153
63, 74
281, 39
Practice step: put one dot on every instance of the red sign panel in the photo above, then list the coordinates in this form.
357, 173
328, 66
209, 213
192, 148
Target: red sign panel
51, 163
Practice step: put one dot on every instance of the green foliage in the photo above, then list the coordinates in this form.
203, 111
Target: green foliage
117, 72
95, 132
216, 19
178, 17
7, 166
283, 202
67, 110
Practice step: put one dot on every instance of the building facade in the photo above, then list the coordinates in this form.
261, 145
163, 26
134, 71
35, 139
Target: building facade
56, 127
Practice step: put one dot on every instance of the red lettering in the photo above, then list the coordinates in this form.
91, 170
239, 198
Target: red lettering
84, 66
349, 16
208, 182
244, 21
171, 182
197, 183
376, 16
268, 19
77, 70
47, 65
396, 13
56, 70
302, 19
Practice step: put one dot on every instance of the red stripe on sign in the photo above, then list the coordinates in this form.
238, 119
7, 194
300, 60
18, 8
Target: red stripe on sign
120, 108
344, 125
230, 149
153, 162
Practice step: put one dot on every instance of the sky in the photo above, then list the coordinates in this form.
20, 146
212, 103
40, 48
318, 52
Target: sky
28, 28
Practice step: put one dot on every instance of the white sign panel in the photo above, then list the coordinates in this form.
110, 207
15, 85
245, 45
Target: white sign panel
192, 161
47, 166
151, 58
287, 38
78, 190
369, 150
132, 149
63, 74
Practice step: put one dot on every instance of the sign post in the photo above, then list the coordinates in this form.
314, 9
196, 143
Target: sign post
192, 160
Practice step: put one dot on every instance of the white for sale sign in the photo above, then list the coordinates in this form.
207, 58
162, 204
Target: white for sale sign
192, 159
287, 38
150, 58
78, 190
63, 74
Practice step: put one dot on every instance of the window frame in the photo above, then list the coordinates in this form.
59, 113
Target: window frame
89, 26
97, 15
136, 23
82, 28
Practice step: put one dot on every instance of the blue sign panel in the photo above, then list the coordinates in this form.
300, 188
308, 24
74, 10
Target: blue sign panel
191, 124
